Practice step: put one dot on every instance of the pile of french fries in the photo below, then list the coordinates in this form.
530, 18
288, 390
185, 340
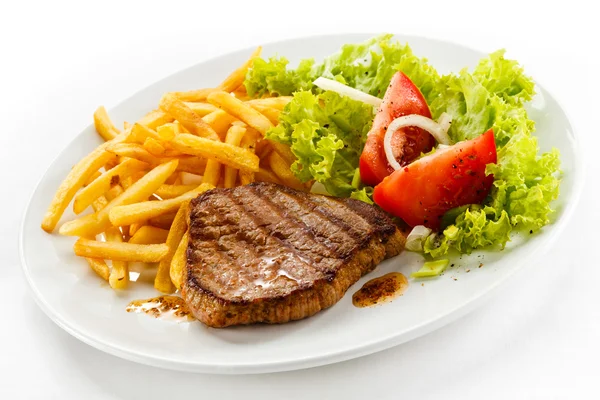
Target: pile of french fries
140, 181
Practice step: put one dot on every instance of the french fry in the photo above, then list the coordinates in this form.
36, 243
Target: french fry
99, 267
271, 113
283, 151
145, 210
114, 192
133, 150
120, 251
179, 261
263, 148
180, 128
132, 178
149, 235
241, 94
193, 95
220, 121
234, 137
167, 131
126, 125
237, 77
93, 224
119, 273
278, 103
78, 175
139, 133
171, 180
155, 119
104, 125
162, 221
201, 109
240, 110
248, 143
162, 282
99, 203
133, 228
191, 164
113, 162
92, 178
154, 147
212, 174
222, 152
283, 172
246, 177
170, 153
264, 175
102, 184
189, 119
177, 179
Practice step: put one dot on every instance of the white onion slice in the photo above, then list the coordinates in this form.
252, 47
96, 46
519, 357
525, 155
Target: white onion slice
340, 88
416, 237
436, 130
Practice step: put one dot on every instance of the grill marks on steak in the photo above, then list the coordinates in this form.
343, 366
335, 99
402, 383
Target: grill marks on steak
267, 253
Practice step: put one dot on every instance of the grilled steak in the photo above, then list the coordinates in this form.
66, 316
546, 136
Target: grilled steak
267, 253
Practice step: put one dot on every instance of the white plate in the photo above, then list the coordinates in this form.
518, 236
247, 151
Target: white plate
81, 304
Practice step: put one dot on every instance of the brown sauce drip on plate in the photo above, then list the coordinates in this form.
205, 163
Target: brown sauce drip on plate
171, 308
380, 290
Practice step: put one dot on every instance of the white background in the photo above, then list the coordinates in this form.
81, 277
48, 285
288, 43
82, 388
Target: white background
538, 338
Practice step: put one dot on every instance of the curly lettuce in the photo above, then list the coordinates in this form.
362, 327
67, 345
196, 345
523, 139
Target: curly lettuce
272, 77
326, 133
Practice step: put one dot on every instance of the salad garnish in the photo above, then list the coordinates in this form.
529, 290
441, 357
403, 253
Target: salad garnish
328, 132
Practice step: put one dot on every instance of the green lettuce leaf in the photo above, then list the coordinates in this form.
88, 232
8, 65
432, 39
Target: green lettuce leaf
525, 182
504, 78
367, 66
365, 194
472, 229
273, 77
467, 101
326, 132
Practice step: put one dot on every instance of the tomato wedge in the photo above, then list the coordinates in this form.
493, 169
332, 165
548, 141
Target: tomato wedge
401, 98
422, 192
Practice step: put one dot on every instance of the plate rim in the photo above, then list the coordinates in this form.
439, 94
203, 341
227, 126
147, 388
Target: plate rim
381, 343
